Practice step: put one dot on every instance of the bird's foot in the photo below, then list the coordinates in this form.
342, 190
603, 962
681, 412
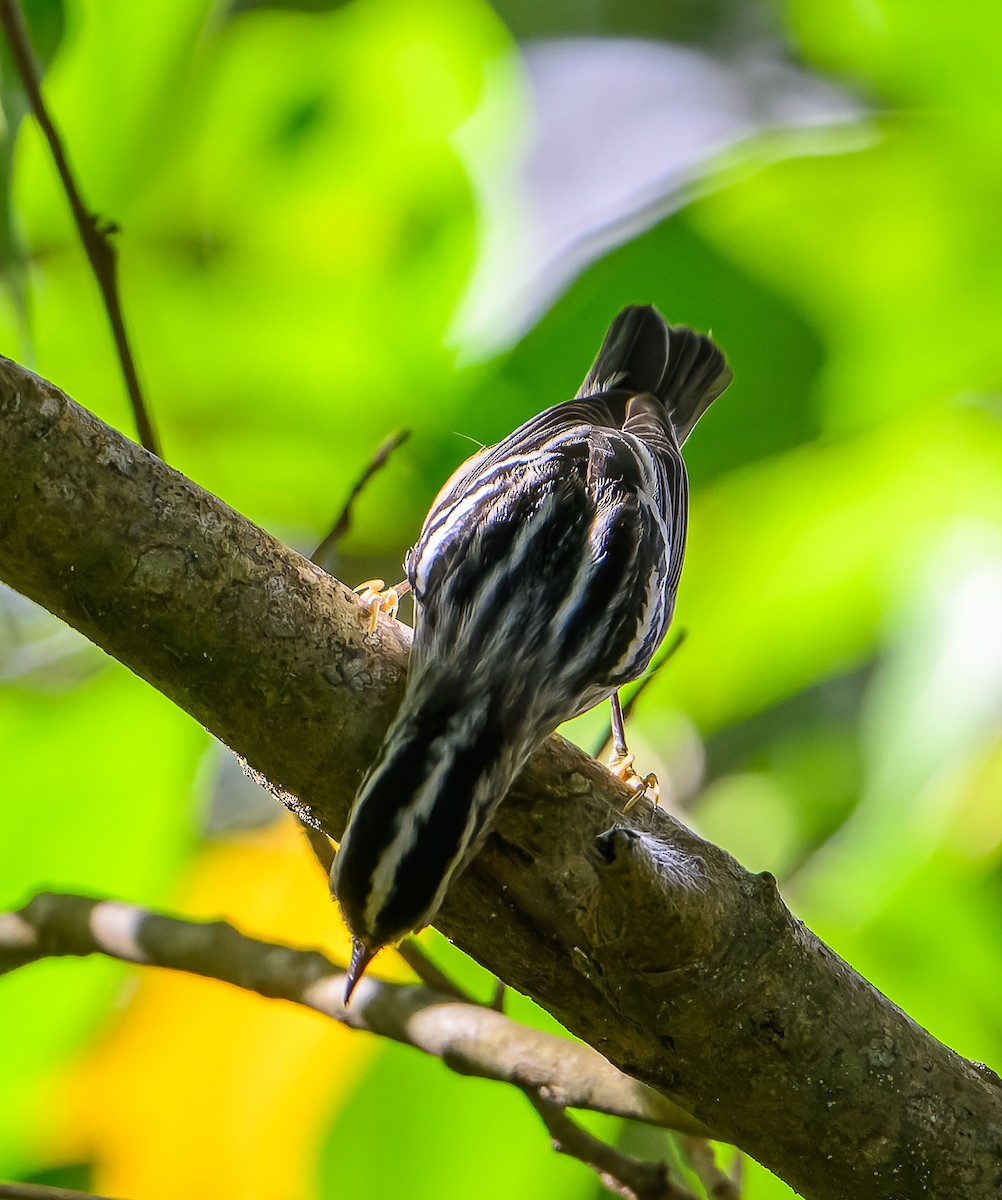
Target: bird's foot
621, 766
378, 598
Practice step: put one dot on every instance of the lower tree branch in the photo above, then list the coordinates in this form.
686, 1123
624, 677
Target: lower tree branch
647, 942
468, 1038
41, 1191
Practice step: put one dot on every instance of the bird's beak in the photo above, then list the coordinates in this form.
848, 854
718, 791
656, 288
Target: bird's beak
360, 959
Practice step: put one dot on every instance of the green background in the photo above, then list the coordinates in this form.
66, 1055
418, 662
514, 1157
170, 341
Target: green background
304, 193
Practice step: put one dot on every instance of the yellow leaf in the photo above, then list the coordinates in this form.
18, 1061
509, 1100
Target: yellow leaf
203, 1090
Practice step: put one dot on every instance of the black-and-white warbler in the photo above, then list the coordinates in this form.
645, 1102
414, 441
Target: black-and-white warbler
544, 579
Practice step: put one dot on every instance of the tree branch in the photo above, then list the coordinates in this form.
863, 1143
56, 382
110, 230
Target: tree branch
468, 1038
647, 942
626, 1176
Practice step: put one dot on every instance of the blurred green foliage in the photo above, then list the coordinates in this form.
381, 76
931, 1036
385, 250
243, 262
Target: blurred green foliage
299, 229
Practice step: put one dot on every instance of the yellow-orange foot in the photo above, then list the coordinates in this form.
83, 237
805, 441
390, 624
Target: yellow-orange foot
621, 765
378, 598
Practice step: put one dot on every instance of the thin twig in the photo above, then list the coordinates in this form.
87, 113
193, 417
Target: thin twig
343, 522
95, 234
622, 1174
701, 1158
429, 973
668, 653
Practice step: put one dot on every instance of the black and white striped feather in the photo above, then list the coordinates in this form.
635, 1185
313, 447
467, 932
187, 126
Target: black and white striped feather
544, 579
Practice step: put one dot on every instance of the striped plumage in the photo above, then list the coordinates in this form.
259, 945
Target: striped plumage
544, 579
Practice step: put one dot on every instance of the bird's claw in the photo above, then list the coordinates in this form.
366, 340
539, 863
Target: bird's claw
378, 598
621, 766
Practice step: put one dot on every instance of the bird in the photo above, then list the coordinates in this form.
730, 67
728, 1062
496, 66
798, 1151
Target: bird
544, 578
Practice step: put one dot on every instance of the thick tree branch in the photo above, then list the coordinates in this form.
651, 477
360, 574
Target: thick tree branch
648, 943
468, 1038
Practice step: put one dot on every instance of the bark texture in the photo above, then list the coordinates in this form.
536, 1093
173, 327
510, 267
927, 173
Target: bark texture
650, 944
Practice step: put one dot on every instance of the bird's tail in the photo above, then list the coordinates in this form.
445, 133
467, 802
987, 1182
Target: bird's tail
643, 353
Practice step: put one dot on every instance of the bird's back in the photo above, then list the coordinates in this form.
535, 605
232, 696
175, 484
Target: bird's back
544, 578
